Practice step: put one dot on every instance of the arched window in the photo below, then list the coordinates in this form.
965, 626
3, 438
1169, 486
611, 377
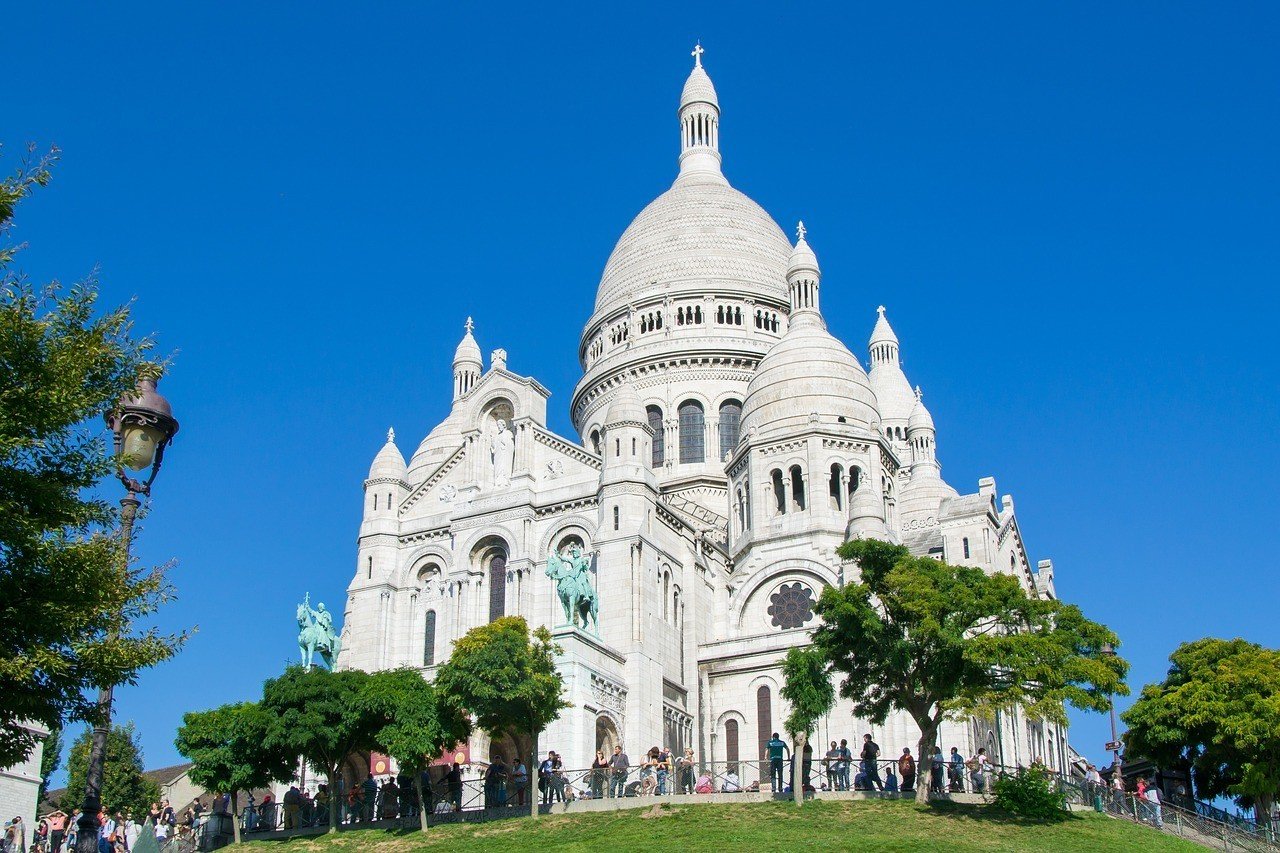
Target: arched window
375, 501
779, 493
659, 440
617, 447
834, 488
666, 591
1013, 562
616, 518
731, 744
797, 488
498, 586
764, 724
965, 544
429, 640
595, 441
692, 432
371, 567
730, 426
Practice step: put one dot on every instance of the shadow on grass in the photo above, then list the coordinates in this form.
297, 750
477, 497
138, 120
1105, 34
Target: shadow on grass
992, 814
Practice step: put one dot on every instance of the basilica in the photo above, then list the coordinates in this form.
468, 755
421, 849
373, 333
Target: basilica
726, 445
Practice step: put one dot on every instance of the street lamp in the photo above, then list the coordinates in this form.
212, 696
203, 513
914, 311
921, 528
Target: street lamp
142, 427
1110, 650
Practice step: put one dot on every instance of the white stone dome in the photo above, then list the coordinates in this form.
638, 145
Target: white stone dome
699, 89
808, 372
625, 408
389, 463
700, 231
920, 417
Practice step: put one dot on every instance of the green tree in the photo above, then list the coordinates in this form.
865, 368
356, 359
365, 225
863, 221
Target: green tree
417, 725
67, 598
228, 751
507, 679
808, 690
1218, 712
324, 717
935, 640
50, 760
124, 788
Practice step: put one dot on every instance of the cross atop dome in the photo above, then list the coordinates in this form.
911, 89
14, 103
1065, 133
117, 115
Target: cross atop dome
469, 326
801, 230
919, 394
391, 434
697, 54
880, 310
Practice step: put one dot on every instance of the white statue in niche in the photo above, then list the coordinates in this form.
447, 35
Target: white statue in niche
503, 452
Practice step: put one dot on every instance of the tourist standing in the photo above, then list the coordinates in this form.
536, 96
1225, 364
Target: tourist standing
831, 761
619, 766
664, 770
684, 775
494, 777
777, 751
519, 780
57, 830
978, 775
648, 772
292, 806
455, 786
557, 777
846, 759
871, 762
955, 773
937, 763
370, 787
907, 770
599, 768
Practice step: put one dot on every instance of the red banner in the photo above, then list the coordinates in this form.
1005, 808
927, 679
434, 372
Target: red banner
460, 753
379, 764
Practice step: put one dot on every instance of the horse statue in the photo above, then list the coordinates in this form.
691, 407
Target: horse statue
316, 634
573, 586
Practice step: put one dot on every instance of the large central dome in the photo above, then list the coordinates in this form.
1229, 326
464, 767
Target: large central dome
701, 230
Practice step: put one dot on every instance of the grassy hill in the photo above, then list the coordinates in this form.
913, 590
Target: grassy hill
896, 825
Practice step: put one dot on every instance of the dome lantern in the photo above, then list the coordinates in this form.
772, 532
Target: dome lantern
699, 122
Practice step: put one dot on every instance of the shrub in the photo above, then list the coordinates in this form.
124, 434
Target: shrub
1030, 794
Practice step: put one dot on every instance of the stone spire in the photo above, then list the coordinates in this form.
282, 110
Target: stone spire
803, 279
467, 364
699, 122
893, 391
922, 436
389, 463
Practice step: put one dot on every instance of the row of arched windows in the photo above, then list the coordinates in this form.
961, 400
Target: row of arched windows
699, 129
689, 315
766, 320
727, 315
789, 489
619, 333
651, 322
764, 731
691, 431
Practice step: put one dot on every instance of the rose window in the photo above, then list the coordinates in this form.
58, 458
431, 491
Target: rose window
791, 606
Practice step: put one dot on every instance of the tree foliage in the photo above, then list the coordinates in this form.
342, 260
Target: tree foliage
50, 760
931, 639
1218, 712
507, 679
68, 600
228, 751
1030, 793
417, 724
124, 788
807, 689
323, 716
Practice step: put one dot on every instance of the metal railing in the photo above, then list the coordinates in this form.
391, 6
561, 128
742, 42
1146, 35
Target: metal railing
1204, 827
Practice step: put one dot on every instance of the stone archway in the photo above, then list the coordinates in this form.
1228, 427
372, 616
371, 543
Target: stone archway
607, 736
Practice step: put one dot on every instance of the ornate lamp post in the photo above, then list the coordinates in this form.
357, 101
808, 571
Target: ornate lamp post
1108, 649
143, 425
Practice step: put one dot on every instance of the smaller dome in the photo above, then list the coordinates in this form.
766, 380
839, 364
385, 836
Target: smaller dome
698, 89
808, 373
625, 408
883, 332
920, 417
468, 351
802, 257
388, 464
865, 504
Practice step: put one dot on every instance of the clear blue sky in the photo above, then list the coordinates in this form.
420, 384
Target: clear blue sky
1071, 211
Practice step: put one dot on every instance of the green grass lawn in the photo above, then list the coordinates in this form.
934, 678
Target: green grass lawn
819, 826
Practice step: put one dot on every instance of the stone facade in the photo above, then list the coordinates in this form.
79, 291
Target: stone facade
727, 445
20, 787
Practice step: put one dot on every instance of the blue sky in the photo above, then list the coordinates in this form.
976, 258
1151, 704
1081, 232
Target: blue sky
1071, 211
